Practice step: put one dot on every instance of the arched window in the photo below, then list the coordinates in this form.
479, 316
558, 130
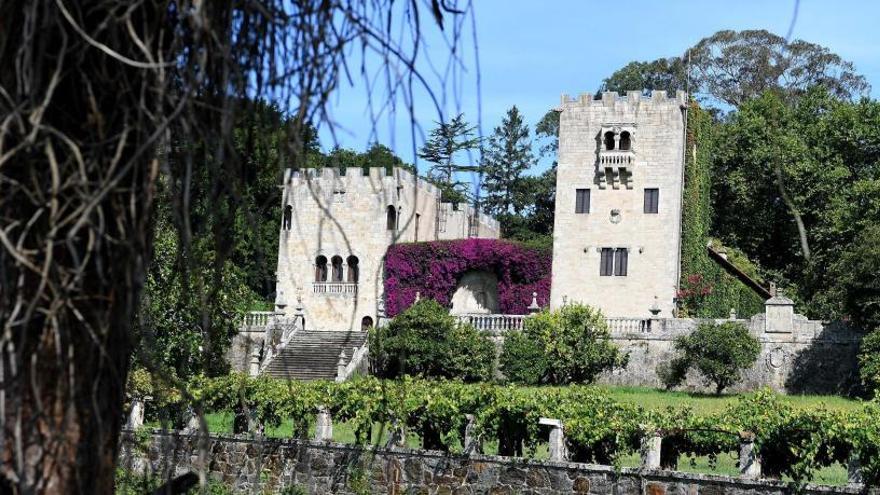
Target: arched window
288, 218
321, 269
336, 262
391, 218
609, 141
353, 269
625, 141
366, 323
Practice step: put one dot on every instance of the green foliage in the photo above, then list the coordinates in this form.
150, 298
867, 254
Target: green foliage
447, 141
505, 158
794, 442
573, 341
666, 74
425, 340
706, 290
856, 280
869, 361
719, 352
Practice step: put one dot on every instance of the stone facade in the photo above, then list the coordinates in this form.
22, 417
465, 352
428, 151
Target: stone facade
616, 148
336, 228
266, 466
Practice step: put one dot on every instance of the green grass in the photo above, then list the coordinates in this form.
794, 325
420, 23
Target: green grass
221, 423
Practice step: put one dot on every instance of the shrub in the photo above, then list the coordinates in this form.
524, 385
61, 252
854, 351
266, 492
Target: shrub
425, 340
869, 361
568, 345
719, 352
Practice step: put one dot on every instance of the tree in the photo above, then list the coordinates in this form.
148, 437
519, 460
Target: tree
446, 141
425, 340
506, 157
869, 361
94, 111
719, 352
732, 67
572, 343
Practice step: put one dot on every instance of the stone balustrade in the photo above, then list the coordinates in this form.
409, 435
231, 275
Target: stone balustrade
493, 323
258, 318
628, 325
348, 288
616, 159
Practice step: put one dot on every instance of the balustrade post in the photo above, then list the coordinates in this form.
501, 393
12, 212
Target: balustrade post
651, 445
323, 426
749, 462
557, 447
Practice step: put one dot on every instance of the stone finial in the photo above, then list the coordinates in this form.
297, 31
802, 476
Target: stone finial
534, 307
773, 289
749, 463
558, 449
732, 314
323, 425
418, 297
650, 449
655, 309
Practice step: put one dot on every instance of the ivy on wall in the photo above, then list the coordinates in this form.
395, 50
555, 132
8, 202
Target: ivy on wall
433, 269
706, 290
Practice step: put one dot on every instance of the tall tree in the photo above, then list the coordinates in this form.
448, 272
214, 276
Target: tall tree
731, 67
91, 93
444, 146
506, 157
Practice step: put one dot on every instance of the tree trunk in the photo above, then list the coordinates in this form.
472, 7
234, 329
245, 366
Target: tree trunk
76, 178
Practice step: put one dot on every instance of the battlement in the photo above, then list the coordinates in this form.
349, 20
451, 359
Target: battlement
658, 98
355, 176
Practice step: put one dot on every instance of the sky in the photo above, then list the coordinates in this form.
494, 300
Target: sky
530, 52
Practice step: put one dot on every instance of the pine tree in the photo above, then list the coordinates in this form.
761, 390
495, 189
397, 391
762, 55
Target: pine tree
445, 141
506, 157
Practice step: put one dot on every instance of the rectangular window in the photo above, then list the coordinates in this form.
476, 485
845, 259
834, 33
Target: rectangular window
652, 200
582, 201
621, 256
606, 263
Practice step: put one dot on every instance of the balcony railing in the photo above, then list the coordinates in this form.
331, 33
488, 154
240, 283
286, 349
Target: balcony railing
628, 325
335, 288
616, 159
494, 323
258, 318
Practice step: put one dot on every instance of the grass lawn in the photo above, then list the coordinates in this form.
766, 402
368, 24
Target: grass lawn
221, 423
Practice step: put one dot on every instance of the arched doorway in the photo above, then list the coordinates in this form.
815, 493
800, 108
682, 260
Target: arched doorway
366, 323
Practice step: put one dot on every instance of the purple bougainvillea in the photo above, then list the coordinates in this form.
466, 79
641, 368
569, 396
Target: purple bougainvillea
433, 269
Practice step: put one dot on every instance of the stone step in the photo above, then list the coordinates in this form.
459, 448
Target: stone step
314, 355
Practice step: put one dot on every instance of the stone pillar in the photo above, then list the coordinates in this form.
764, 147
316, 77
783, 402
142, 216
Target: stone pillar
254, 426
340, 367
650, 450
192, 423
854, 471
136, 414
472, 443
534, 307
778, 314
397, 435
254, 365
323, 426
557, 447
749, 463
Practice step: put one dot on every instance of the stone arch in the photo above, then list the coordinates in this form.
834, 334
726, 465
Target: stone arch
366, 323
477, 292
625, 141
391, 218
336, 263
608, 140
353, 269
321, 268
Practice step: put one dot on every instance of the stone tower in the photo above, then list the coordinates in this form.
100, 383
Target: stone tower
336, 228
616, 239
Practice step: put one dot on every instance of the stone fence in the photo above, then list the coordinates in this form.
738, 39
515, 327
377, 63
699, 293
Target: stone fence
258, 465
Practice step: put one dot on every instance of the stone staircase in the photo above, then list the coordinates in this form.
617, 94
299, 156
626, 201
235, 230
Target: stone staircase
314, 355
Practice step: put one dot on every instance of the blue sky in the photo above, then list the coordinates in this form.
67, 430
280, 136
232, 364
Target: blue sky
530, 52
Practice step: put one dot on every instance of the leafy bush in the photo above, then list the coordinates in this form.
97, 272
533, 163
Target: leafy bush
719, 352
869, 361
568, 345
425, 340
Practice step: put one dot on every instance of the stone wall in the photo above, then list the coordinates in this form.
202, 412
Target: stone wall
616, 180
812, 357
266, 466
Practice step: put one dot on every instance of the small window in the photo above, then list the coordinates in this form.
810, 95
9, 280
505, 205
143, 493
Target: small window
652, 200
321, 269
337, 268
621, 256
606, 263
287, 220
353, 269
625, 141
391, 218
582, 201
609, 141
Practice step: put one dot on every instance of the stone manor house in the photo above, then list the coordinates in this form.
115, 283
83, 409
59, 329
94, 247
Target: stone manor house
616, 246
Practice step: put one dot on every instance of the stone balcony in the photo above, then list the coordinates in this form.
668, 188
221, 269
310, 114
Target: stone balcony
343, 288
616, 160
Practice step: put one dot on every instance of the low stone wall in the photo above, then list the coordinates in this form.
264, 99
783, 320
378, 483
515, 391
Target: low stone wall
266, 466
809, 357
